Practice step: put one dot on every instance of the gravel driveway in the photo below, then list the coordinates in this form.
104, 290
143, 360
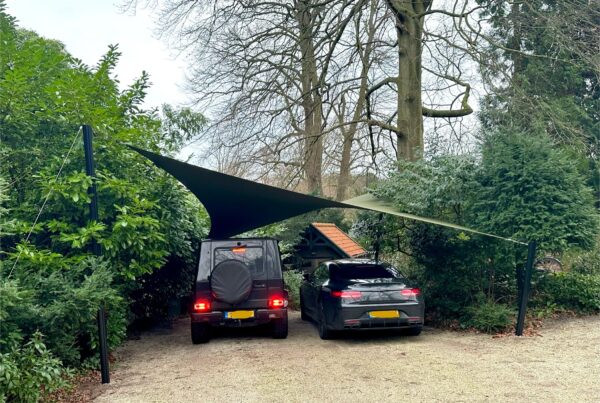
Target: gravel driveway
562, 364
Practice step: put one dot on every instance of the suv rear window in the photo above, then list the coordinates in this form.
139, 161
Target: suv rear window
361, 272
251, 256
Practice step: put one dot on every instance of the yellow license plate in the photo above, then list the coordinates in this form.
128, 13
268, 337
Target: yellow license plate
239, 314
384, 314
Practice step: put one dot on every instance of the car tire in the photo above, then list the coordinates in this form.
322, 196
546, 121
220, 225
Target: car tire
324, 332
280, 328
303, 314
200, 333
414, 331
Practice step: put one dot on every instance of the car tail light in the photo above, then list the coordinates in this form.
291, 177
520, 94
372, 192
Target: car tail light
346, 294
202, 305
277, 302
411, 293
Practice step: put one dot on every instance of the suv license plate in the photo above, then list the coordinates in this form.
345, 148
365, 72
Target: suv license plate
239, 315
384, 314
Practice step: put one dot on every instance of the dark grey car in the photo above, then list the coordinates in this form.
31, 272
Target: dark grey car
360, 294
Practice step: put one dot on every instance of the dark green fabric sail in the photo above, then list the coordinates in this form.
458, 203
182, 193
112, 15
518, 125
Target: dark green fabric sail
238, 205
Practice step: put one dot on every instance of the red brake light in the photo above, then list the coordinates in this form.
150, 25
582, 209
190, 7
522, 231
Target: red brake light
202, 305
346, 294
239, 250
410, 292
277, 302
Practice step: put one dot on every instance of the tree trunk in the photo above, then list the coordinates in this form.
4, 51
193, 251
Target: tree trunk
311, 101
344, 176
350, 133
409, 30
515, 41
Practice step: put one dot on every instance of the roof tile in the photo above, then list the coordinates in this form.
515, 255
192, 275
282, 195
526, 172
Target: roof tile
339, 238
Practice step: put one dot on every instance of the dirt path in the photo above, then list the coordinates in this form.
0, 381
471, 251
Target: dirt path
563, 364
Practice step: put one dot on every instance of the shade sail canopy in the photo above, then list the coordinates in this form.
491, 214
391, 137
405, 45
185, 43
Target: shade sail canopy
238, 205
370, 202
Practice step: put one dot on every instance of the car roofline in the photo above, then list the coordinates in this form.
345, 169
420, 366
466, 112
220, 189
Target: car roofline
258, 238
350, 261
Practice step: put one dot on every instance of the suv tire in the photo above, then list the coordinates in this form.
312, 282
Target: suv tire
200, 333
414, 331
303, 314
280, 328
324, 332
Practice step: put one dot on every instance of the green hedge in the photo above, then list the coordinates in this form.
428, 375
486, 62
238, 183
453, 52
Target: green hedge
293, 279
570, 290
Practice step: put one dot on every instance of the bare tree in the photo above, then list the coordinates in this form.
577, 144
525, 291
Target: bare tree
302, 87
262, 71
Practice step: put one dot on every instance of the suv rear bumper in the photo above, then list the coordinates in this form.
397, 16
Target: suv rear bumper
217, 318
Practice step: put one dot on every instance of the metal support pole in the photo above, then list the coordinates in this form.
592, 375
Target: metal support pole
101, 318
524, 293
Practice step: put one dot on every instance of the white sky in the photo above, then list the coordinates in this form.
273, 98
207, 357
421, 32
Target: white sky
87, 27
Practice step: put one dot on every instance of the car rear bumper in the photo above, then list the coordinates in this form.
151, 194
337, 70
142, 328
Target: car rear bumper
217, 318
358, 317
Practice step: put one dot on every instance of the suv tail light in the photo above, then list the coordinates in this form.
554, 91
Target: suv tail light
277, 302
202, 305
411, 293
346, 294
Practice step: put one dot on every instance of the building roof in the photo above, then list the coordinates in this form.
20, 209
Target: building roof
339, 238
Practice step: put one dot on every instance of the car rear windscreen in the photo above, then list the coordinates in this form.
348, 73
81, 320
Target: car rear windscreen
251, 256
362, 272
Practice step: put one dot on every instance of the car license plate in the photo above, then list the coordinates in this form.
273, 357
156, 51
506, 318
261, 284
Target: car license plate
239, 315
384, 314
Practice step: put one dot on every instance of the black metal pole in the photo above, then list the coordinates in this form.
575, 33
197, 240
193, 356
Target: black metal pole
524, 294
101, 318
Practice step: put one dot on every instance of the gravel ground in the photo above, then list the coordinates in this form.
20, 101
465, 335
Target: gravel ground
561, 364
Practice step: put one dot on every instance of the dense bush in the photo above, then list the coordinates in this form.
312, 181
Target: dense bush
523, 188
293, 279
62, 305
587, 263
28, 371
149, 226
489, 317
530, 190
569, 290
455, 270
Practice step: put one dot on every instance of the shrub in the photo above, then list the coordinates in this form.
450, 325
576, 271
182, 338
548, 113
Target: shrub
293, 279
28, 372
523, 187
489, 317
570, 290
62, 304
531, 189
587, 263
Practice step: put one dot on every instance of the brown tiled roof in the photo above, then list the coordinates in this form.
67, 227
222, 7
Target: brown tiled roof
339, 238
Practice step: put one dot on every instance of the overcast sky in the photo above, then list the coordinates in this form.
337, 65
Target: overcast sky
87, 27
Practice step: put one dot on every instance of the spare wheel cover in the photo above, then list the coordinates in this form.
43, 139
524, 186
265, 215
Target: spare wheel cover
231, 282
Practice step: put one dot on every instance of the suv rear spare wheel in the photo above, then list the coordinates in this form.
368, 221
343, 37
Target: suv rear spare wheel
231, 282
